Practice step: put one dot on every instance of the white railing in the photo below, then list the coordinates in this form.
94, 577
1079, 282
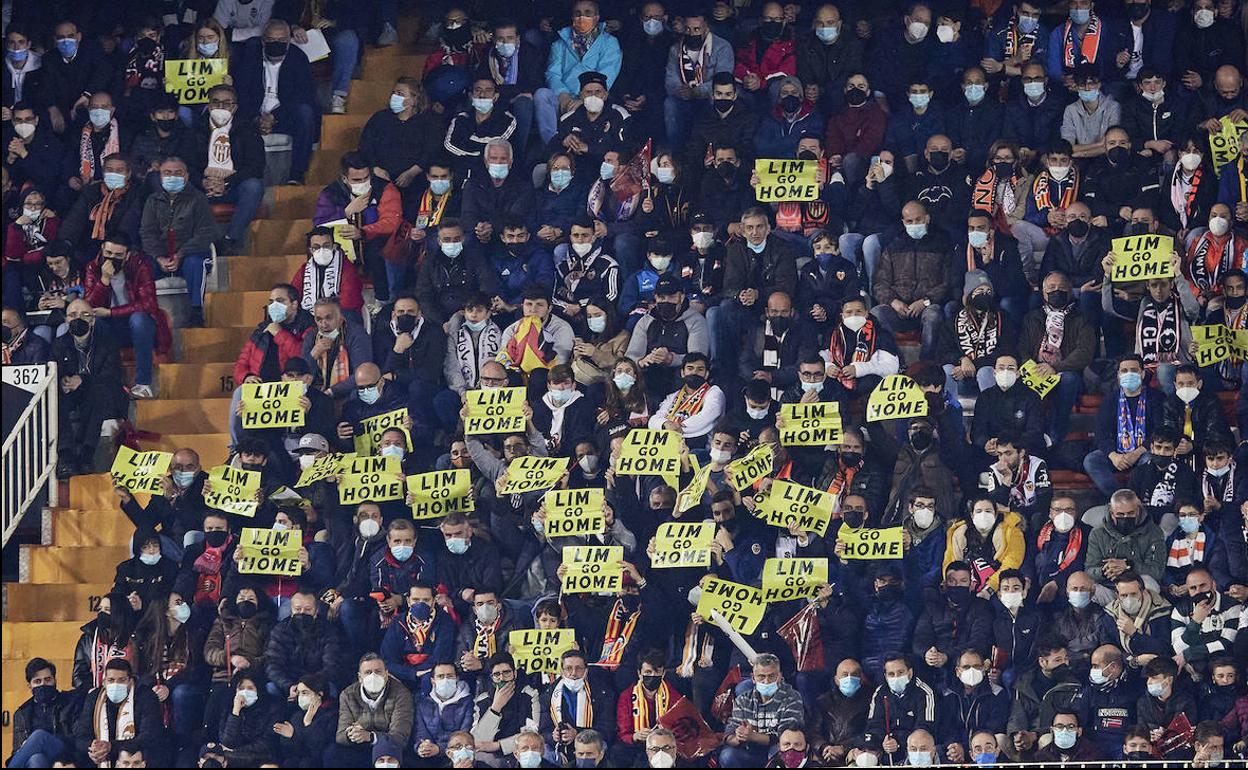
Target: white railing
30, 449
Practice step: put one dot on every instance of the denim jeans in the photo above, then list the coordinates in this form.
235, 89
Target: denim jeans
1063, 399
546, 110
191, 270
969, 387
522, 109
139, 332
245, 196
345, 45
39, 750
745, 755
678, 115
302, 123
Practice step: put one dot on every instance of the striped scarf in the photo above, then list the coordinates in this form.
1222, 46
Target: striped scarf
1054, 333
86, 149
864, 348
1183, 191
697, 650
1211, 256
977, 337
334, 366
1187, 551
1088, 47
1131, 429
644, 718
688, 403
620, 627
1228, 488
1074, 544
1158, 331
486, 641
584, 716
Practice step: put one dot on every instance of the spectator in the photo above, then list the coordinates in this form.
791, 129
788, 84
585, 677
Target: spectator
328, 273
176, 234
1059, 338
101, 136
161, 136
599, 124
695, 62
33, 155
43, 725
909, 283
515, 67
452, 271
89, 367
275, 91
760, 713
114, 205
119, 715
469, 132
366, 210
377, 710
493, 193
337, 348
585, 46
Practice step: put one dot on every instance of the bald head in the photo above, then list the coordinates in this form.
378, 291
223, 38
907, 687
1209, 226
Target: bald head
367, 375
914, 213
1227, 81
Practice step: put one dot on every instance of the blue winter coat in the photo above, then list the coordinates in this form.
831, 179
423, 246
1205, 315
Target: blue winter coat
532, 263
564, 67
436, 724
438, 647
777, 137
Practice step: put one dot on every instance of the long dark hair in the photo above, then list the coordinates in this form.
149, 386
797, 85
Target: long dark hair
613, 321
121, 621
635, 400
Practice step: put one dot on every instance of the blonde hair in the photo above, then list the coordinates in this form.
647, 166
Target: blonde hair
191, 50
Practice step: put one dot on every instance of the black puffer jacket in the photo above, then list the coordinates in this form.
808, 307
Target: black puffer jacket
292, 653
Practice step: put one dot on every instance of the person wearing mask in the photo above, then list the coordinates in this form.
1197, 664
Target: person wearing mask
89, 368
824, 283
467, 564
310, 724
1203, 625
23, 73
1085, 122
971, 706
21, 345
907, 284
828, 57
975, 335
450, 273
1111, 693
444, 714
515, 67
839, 715
1193, 414
473, 339
574, 703
754, 268
357, 551
336, 349
120, 713
952, 619
277, 338
1126, 540
1068, 742
1007, 408
558, 203
71, 75
597, 126
411, 352
584, 46
374, 711
1038, 690
998, 205
594, 355
539, 338
1165, 479
790, 118
1055, 189
1019, 481
695, 407
1033, 114
503, 709
365, 210
564, 415
1215, 252
33, 156
694, 61
760, 714
1128, 414
767, 54
471, 130
115, 204
1061, 341
492, 192
665, 336
975, 124
176, 236
1061, 545
101, 136
1118, 182
275, 91
43, 725
402, 140
731, 122
901, 54
1138, 620
900, 706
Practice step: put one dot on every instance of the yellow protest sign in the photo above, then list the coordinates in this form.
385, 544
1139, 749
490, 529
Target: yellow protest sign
1041, 385
863, 543
441, 492
787, 504
1212, 351
1142, 257
742, 473
593, 568
321, 468
691, 495
233, 490
191, 79
1239, 344
347, 245
140, 471
896, 397
375, 487
683, 544
269, 552
786, 180
272, 405
529, 474
647, 452
741, 605
787, 579
817, 424
1224, 143
538, 651
574, 512
369, 436
354, 465
494, 410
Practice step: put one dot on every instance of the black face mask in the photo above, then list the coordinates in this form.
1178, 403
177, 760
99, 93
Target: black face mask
957, 594
145, 46
856, 97
275, 49
1058, 299
1139, 756
258, 467
780, 325
939, 160
790, 103
1137, 11
694, 381
1003, 170
851, 459
458, 37
853, 519
44, 694
630, 602
651, 682
1136, 228
216, 539
770, 30
807, 155
1078, 228
6, 335
889, 593
104, 619
727, 170
921, 440
723, 105
982, 302
165, 124
665, 311
79, 327
246, 609
1234, 303
694, 41
302, 623
1059, 674
1118, 155
1122, 524
405, 323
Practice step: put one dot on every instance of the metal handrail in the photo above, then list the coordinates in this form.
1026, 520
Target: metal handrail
30, 453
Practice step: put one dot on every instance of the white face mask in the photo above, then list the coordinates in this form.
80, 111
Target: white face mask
917, 30
1059, 172
373, 683
360, 188
220, 117
1063, 522
323, 256
971, 676
369, 527
1218, 473
573, 685
33, 215
582, 249
1219, 226
866, 759
1203, 18
24, 130
756, 414
306, 461
1190, 161
854, 322
983, 520
923, 517
1005, 378
594, 104
945, 33
662, 759
1187, 395
703, 239
1012, 599
886, 169
720, 456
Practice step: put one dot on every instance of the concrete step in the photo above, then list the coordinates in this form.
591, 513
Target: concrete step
23, 641
251, 273
213, 448
235, 308
366, 97
70, 564
271, 237
97, 526
390, 64
296, 201
342, 132
213, 344
215, 380
323, 168
161, 415
93, 492
53, 603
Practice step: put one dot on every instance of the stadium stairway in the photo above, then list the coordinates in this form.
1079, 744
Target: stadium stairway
62, 580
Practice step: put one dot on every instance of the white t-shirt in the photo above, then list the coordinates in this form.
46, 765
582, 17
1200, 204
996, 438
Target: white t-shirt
1137, 52
271, 72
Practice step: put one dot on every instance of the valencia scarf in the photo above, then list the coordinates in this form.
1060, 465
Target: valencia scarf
1074, 544
102, 212
126, 727
977, 337
584, 716
1131, 428
1208, 490
688, 403
645, 717
1187, 551
1054, 332
863, 349
1210, 260
1088, 47
697, 650
1183, 191
485, 644
86, 149
620, 627
1157, 332
321, 282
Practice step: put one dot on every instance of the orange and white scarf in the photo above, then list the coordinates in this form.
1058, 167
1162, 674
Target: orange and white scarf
1187, 551
126, 726
1089, 47
646, 717
620, 627
86, 149
688, 403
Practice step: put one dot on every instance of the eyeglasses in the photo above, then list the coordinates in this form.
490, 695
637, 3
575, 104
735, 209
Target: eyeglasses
222, 103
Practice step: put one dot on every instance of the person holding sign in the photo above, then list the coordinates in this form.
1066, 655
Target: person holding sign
860, 350
1162, 322
1127, 416
1059, 337
374, 398
693, 409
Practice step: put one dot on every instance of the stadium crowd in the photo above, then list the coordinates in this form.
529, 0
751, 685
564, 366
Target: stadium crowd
566, 200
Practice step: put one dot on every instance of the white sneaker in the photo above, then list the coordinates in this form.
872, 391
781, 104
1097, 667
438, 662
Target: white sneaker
142, 392
338, 104
388, 36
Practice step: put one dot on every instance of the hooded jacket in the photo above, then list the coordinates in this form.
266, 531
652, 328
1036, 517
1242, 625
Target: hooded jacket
231, 635
1008, 544
291, 653
1143, 546
564, 67
436, 720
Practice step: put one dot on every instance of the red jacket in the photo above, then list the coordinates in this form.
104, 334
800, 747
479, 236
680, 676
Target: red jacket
779, 59
16, 249
141, 290
624, 711
858, 130
251, 358
350, 287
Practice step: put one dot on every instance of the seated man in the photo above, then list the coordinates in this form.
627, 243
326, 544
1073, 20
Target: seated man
1165, 480
637, 294
593, 127
515, 67
376, 708
754, 268
503, 711
492, 192
664, 337
518, 259
1007, 406
411, 351
118, 284
565, 712
585, 46
160, 138
328, 274
1128, 415
583, 269
338, 346
452, 271
472, 129
910, 282
121, 713
101, 136
1204, 625
1061, 341
773, 350
1019, 481
115, 204
21, 345
33, 155
176, 232
860, 353
372, 209
43, 725
538, 339
694, 408
275, 91
760, 713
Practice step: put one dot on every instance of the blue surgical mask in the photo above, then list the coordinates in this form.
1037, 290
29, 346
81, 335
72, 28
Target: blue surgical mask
183, 479
1033, 90
1081, 15
1156, 689
397, 103
652, 26
452, 250
898, 684
249, 697
530, 759
561, 396
463, 754
919, 101
975, 92
1130, 380
919, 758
597, 324
369, 395
393, 450
67, 46
116, 692
606, 170
182, 612
150, 559
560, 178
499, 170
1078, 599
1189, 524
1089, 94
808, 387
827, 34
849, 685
1028, 24
917, 231
208, 49
457, 545
173, 184
475, 326
114, 180
505, 50
977, 238
757, 248
1064, 739
624, 380
99, 117
401, 552
439, 186
986, 759
19, 57
767, 689
665, 174
482, 104
277, 312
